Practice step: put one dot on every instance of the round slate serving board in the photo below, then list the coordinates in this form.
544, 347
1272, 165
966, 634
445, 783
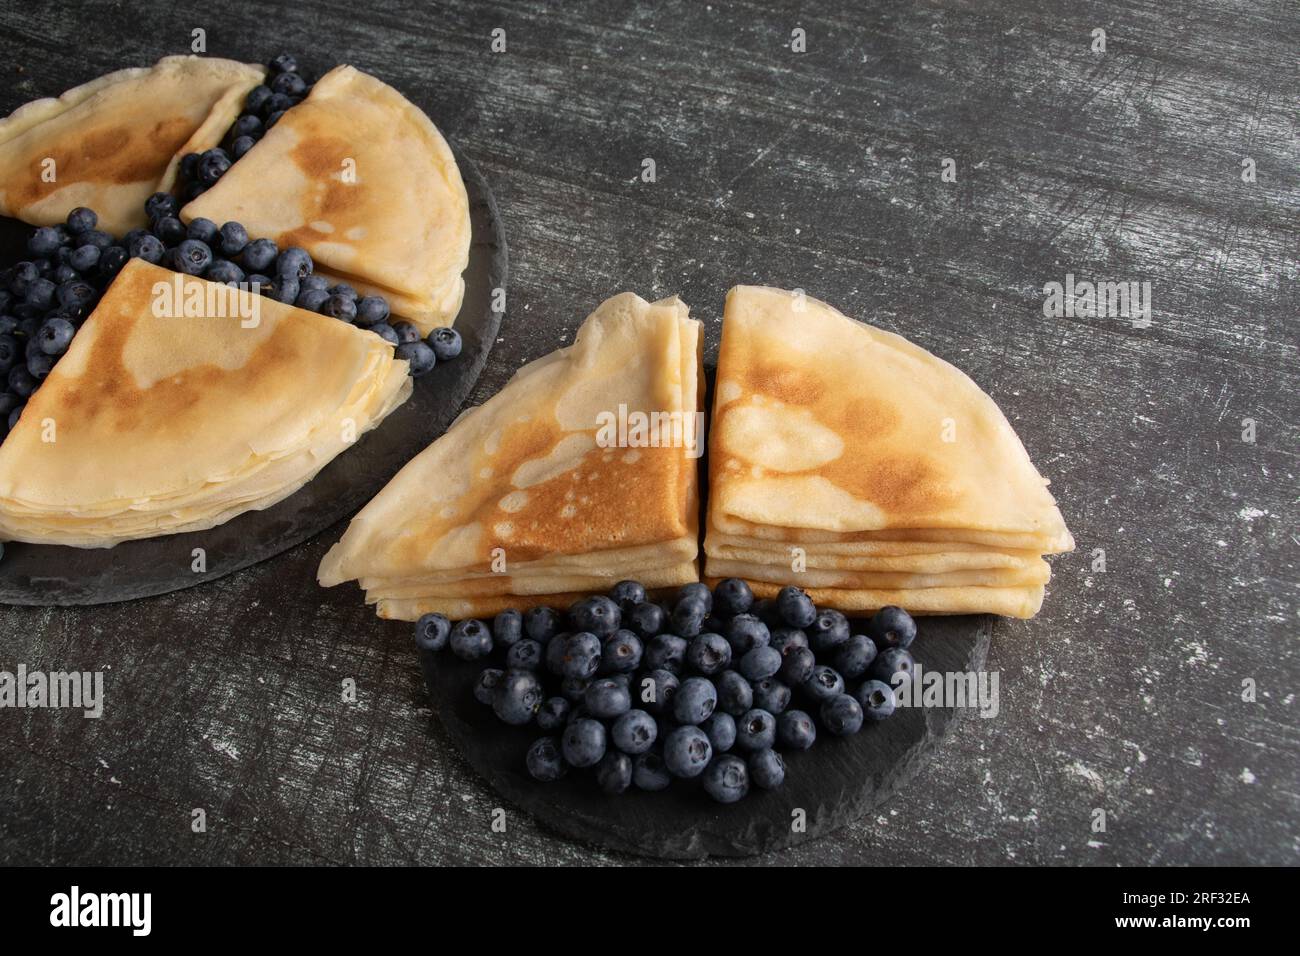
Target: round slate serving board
45, 574
835, 782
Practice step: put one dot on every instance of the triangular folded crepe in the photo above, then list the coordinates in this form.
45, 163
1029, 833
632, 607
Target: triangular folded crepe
112, 142
362, 179
539, 475
182, 403
859, 449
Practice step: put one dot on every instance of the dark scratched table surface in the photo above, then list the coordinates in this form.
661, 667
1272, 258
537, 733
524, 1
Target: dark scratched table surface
1169, 158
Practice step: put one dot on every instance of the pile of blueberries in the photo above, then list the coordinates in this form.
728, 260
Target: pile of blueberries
713, 685
263, 107
44, 300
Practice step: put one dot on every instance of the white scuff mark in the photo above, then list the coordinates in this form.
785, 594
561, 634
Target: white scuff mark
1088, 774
1250, 514
1246, 775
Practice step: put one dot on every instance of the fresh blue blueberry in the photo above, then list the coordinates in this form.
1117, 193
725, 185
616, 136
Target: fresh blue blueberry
147, 247
771, 695
213, 165
161, 205
597, 614
856, 655
607, 698
842, 715
541, 623
795, 607
41, 293
170, 230
432, 632
76, 295
22, 383
486, 684
284, 63
419, 358
828, 631
649, 772
111, 261
581, 657
746, 632
876, 698
246, 125
406, 332
798, 666
732, 597
257, 283
84, 258
893, 627
709, 653
656, 689
446, 343
195, 257
507, 628
95, 237
721, 729
524, 655
204, 230
471, 640
766, 769
55, 336
223, 270
256, 98
294, 261
824, 683
575, 689
233, 239
687, 752
627, 594
259, 255
518, 697
583, 742
289, 83
689, 614
284, 289
81, 220
695, 700
336, 304
40, 364
544, 761
727, 779
735, 695
646, 619
621, 653
614, 773
240, 146
342, 288
635, 732
371, 310
755, 730
892, 661
45, 241
786, 639
666, 651
795, 730
14, 415
759, 663
554, 713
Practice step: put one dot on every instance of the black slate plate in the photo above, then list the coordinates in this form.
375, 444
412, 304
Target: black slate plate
45, 574
835, 782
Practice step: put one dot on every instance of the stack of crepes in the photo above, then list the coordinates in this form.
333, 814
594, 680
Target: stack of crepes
849, 462
182, 403
540, 495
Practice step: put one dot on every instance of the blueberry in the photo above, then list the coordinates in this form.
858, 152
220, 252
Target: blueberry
842, 715
581, 655
248, 126
56, 335
195, 257
341, 307
597, 614
431, 632
95, 237
189, 167
204, 230
192, 191
721, 730
891, 661
746, 632
666, 651
486, 684
14, 415
258, 255
828, 631
471, 640
795, 730
824, 683
759, 663
583, 742
627, 594
795, 607
240, 147
541, 623
342, 288
161, 206
314, 282
694, 701
84, 258
111, 261
169, 229
446, 343
634, 732
544, 761
554, 654
797, 666
41, 292
289, 83
9, 352
732, 597
709, 654
689, 614
23, 274
517, 697
373, 309
621, 654
65, 273
383, 329
8, 402
649, 772
854, 657
406, 332
735, 696
876, 698
223, 270
273, 116
147, 247
766, 769
893, 627
419, 358
256, 283
45, 241
82, 220
257, 98
771, 695
294, 261
755, 730
575, 689
727, 779
233, 239
786, 639
607, 698
213, 165
76, 295
524, 656
40, 364
687, 752
553, 714
284, 63
614, 773
646, 619
657, 689
507, 628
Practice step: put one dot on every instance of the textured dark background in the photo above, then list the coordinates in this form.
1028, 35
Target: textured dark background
818, 170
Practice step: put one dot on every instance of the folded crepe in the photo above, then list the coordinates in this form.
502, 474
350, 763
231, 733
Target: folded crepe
182, 403
362, 179
110, 143
543, 477
848, 461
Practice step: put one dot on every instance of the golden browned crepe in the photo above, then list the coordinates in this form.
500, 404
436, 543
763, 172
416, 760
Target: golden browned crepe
529, 477
110, 143
850, 462
362, 179
161, 419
